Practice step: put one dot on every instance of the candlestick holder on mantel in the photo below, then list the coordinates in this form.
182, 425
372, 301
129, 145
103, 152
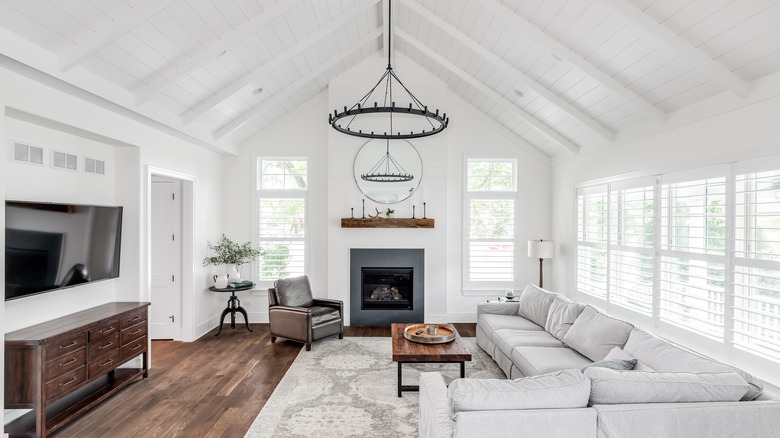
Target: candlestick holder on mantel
386, 222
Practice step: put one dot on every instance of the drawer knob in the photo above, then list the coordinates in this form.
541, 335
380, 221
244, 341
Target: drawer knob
136, 318
69, 362
108, 330
136, 332
136, 347
102, 347
107, 363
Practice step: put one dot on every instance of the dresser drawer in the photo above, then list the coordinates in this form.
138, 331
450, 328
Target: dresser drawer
65, 382
103, 365
133, 319
65, 364
133, 333
104, 331
65, 346
134, 348
103, 347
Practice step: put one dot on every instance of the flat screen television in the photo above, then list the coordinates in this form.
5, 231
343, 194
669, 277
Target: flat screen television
54, 246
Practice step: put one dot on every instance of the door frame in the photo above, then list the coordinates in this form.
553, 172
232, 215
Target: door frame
187, 332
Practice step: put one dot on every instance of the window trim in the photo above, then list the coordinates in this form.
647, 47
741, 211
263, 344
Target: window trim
279, 193
488, 288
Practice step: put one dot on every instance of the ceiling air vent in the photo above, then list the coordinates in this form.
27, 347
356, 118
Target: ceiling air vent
62, 160
24, 153
92, 165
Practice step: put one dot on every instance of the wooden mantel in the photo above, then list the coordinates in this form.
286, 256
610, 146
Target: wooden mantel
382, 222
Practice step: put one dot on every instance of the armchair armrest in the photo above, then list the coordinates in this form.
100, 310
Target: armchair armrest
302, 310
326, 302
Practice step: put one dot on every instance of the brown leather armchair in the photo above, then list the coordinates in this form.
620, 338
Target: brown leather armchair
293, 313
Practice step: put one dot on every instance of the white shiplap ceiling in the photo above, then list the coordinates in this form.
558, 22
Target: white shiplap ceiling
565, 75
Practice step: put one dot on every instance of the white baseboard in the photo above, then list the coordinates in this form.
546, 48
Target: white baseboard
461, 317
205, 327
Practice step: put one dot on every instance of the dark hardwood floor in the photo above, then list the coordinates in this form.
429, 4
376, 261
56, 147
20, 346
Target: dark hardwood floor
213, 387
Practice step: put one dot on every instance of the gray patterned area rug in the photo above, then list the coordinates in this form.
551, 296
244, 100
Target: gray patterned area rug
347, 388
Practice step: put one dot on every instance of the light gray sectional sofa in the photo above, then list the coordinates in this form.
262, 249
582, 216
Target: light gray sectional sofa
576, 372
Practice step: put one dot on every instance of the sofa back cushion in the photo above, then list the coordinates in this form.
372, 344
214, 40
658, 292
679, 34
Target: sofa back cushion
558, 390
562, 314
594, 334
662, 355
294, 292
535, 304
610, 386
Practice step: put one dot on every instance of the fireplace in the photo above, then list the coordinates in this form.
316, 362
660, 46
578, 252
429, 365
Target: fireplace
386, 286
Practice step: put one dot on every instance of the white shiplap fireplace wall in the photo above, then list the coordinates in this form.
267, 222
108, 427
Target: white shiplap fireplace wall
343, 192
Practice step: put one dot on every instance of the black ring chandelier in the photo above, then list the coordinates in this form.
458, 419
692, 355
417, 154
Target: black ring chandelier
437, 122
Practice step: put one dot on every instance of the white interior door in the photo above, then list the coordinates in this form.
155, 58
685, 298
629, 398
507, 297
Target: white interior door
165, 311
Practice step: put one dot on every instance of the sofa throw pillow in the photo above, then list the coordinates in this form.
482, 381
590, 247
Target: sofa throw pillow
294, 292
618, 353
613, 364
617, 387
535, 304
561, 389
562, 314
662, 355
594, 334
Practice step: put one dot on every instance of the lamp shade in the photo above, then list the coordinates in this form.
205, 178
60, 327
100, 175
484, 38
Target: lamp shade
541, 249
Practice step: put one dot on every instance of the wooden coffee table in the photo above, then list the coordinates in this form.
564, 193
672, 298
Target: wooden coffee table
406, 351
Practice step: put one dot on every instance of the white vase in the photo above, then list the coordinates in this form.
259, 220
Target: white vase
232, 273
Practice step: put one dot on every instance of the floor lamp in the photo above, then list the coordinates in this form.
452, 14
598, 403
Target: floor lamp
541, 249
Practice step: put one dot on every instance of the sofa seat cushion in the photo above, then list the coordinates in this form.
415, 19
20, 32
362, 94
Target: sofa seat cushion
533, 361
507, 339
492, 322
594, 334
662, 355
610, 386
559, 390
535, 304
321, 315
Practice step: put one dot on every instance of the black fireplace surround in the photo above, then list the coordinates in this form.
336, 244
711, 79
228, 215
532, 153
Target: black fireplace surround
386, 286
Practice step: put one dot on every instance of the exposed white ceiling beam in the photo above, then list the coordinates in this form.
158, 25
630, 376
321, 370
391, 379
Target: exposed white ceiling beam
303, 80
564, 52
262, 71
496, 60
179, 68
714, 70
499, 99
107, 32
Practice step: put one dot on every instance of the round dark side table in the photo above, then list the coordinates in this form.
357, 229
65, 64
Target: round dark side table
233, 306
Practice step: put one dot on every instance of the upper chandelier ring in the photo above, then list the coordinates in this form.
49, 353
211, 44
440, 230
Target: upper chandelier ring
440, 121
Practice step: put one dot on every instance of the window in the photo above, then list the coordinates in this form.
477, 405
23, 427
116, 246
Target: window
490, 224
631, 209
697, 252
280, 226
757, 260
693, 255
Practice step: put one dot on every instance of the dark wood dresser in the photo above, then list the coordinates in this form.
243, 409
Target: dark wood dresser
62, 368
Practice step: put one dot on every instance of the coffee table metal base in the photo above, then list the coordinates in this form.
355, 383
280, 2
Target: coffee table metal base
414, 388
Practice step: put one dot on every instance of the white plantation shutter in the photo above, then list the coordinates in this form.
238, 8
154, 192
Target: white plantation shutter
631, 247
756, 312
280, 218
281, 232
490, 224
592, 234
492, 241
693, 255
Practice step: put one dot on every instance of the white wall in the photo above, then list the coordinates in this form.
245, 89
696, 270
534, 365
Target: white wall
302, 133
719, 130
52, 115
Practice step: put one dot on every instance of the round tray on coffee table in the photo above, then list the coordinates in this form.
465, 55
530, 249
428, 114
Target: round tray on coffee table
443, 336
